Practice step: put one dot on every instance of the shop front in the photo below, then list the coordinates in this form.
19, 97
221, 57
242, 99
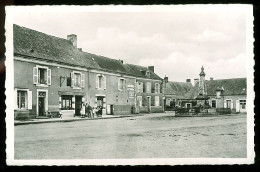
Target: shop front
70, 103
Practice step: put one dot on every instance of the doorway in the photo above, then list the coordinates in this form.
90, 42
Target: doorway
100, 101
78, 105
41, 103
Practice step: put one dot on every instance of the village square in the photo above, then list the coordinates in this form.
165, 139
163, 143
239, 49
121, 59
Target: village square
73, 104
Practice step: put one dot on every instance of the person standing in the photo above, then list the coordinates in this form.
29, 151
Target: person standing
82, 111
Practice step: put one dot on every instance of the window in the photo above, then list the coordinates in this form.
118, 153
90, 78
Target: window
66, 102
121, 84
41, 75
242, 104
213, 103
148, 87
157, 102
100, 81
140, 87
168, 102
188, 105
77, 79
157, 88
21, 99
139, 99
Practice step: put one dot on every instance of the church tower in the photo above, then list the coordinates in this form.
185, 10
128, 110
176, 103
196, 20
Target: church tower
202, 82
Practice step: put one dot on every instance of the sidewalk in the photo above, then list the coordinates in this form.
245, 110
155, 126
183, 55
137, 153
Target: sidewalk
69, 119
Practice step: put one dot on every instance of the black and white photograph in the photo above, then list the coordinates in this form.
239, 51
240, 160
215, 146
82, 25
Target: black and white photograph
129, 85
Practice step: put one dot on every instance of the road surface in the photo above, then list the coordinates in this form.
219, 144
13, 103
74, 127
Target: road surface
148, 136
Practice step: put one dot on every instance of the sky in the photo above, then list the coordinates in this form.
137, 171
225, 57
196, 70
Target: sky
177, 42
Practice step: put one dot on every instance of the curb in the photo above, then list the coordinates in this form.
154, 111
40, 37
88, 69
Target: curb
69, 120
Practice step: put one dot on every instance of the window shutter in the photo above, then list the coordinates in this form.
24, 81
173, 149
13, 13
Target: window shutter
104, 82
104, 99
29, 100
118, 83
225, 104
232, 104
82, 80
49, 76
141, 87
72, 79
15, 99
97, 81
125, 85
237, 105
35, 75
159, 88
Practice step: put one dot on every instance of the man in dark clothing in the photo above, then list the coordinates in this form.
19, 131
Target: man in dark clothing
88, 110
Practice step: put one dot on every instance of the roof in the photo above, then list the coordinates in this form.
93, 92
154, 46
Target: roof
36, 44
32, 43
233, 86
112, 65
179, 89
140, 71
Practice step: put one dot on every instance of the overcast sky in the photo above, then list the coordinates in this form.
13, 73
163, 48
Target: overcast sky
177, 43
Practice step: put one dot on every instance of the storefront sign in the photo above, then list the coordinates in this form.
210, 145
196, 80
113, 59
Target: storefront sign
71, 93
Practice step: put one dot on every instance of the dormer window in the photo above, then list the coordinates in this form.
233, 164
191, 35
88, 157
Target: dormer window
148, 74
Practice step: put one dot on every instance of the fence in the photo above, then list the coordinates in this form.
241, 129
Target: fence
199, 111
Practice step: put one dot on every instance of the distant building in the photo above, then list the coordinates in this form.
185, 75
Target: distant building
221, 93
173, 91
52, 74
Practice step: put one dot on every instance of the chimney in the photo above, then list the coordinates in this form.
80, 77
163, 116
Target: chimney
211, 78
151, 68
196, 81
187, 80
73, 39
122, 61
165, 79
80, 49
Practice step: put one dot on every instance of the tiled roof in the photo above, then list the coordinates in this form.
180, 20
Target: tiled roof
234, 86
140, 71
36, 44
179, 89
112, 65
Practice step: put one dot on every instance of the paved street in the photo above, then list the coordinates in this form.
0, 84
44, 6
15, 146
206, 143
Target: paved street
148, 136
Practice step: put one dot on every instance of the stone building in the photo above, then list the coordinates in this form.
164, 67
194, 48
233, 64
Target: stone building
174, 91
53, 74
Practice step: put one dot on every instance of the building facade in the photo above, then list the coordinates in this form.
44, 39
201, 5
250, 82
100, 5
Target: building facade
51, 74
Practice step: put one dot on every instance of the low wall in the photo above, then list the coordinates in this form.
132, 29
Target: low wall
123, 109
154, 109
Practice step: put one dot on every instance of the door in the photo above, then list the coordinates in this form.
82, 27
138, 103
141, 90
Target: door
100, 105
41, 106
111, 109
78, 105
149, 104
41, 103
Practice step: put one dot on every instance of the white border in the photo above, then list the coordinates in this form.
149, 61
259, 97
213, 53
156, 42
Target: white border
10, 10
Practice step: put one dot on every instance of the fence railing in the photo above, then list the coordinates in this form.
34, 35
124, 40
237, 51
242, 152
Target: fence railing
201, 111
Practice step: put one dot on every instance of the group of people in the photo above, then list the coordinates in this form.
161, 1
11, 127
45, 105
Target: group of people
88, 111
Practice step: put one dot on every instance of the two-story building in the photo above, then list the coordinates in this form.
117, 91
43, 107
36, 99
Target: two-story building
149, 96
